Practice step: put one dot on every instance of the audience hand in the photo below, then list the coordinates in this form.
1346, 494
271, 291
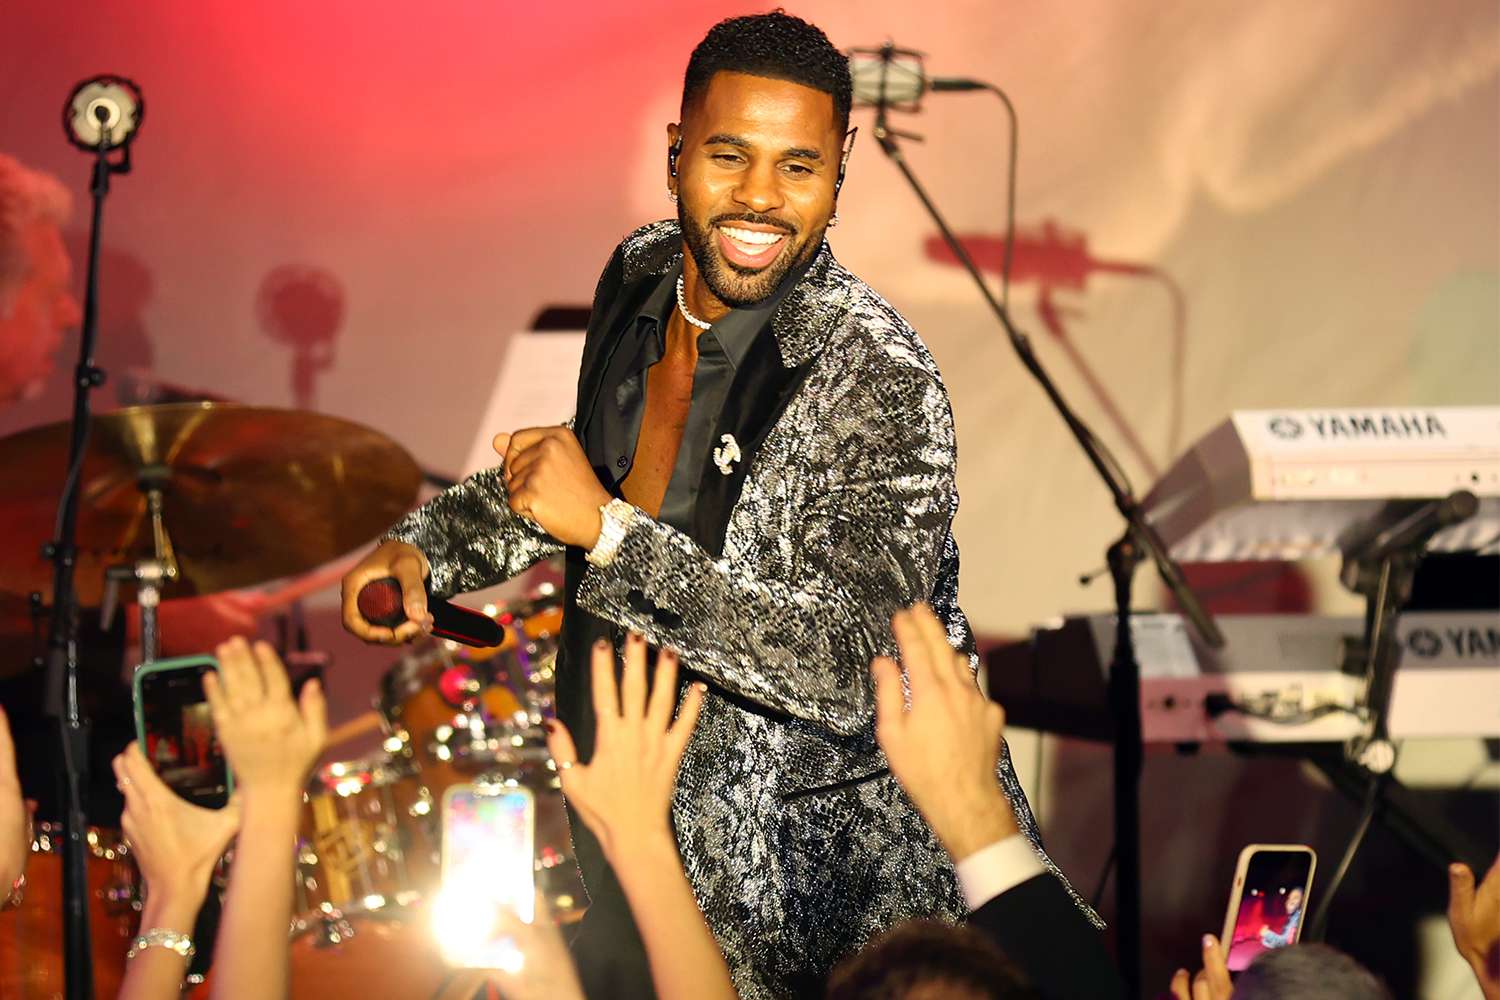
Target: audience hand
15, 818
624, 794
271, 741
945, 748
1474, 919
175, 843
1212, 981
547, 971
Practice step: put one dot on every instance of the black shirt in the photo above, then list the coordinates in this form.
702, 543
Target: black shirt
610, 439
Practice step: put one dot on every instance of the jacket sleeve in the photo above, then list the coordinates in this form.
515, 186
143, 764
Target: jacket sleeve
471, 537
1042, 929
865, 543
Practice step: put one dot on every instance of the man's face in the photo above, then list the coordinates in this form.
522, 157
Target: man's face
755, 181
31, 330
1293, 900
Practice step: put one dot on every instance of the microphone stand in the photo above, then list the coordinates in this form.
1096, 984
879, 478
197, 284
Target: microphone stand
1139, 542
62, 642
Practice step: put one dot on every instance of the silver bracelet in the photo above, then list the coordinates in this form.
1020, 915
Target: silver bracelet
160, 937
615, 519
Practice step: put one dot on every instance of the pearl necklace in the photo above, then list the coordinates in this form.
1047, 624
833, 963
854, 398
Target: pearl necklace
682, 308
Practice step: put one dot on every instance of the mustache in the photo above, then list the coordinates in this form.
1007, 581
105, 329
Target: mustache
764, 220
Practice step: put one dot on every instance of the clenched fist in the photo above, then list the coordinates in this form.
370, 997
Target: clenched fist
552, 484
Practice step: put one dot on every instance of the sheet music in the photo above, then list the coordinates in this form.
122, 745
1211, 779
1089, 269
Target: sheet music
537, 385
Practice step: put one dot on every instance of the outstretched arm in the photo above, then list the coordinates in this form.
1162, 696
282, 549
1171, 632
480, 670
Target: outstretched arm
624, 795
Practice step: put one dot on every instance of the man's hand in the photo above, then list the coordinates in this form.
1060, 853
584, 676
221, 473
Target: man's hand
270, 740
552, 484
1474, 919
175, 842
409, 566
1212, 981
945, 749
625, 793
15, 818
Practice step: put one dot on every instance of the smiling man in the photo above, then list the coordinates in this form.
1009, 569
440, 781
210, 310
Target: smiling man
759, 473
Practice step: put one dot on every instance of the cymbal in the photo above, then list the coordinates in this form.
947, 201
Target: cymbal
249, 494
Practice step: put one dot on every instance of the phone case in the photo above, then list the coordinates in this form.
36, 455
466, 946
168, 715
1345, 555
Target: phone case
1241, 868
162, 666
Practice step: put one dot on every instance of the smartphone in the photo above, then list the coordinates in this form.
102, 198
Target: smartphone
489, 865
1267, 901
175, 729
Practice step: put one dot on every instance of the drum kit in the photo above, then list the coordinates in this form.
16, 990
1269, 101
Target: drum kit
221, 496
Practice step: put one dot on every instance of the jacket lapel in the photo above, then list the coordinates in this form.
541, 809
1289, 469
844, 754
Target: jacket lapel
628, 280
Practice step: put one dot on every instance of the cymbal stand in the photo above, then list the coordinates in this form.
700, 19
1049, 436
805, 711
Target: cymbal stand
148, 575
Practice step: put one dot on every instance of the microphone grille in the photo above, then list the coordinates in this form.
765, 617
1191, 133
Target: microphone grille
380, 602
877, 80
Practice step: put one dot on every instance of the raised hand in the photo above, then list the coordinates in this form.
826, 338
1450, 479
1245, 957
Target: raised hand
1474, 919
270, 740
1212, 981
15, 818
546, 971
409, 566
175, 843
624, 793
551, 483
943, 749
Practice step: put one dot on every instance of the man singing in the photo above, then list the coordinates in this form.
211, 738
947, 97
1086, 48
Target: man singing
759, 473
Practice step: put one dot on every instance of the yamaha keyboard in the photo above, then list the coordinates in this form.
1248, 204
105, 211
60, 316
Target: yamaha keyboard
1279, 678
1290, 484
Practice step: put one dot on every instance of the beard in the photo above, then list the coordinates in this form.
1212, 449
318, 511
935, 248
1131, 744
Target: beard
736, 286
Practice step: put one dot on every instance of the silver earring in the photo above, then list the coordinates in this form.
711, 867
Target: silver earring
672, 196
833, 221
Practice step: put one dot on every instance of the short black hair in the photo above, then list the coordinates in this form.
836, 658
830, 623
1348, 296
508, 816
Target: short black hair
775, 45
1308, 970
927, 953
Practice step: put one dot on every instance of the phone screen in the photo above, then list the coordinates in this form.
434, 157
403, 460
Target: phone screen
177, 732
1273, 902
488, 865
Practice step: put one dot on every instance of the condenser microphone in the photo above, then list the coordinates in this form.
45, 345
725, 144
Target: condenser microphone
893, 77
380, 602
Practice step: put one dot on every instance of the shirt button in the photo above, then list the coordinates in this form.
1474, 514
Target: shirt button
620, 462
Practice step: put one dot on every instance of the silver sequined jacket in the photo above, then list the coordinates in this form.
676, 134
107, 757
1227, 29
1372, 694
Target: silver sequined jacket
799, 844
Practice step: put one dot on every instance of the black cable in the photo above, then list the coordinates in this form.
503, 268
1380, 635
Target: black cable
1319, 923
1109, 866
1010, 193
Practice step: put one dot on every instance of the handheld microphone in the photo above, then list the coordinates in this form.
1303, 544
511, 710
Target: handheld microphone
380, 602
889, 76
